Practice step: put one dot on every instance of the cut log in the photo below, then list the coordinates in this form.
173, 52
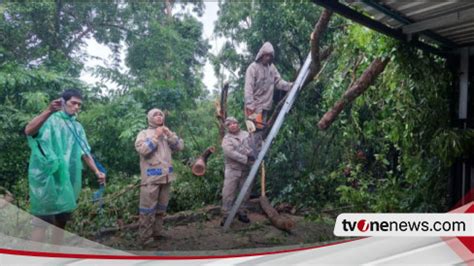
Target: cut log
199, 167
365, 80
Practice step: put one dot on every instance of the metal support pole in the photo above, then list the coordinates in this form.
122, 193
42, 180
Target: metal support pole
463, 103
266, 145
463, 83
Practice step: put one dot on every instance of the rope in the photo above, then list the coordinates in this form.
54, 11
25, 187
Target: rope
80, 141
86, 150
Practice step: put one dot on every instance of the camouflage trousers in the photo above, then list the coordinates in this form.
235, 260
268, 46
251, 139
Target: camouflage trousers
153, 204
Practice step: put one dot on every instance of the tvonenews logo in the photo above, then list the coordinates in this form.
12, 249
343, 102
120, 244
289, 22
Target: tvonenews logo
404, 224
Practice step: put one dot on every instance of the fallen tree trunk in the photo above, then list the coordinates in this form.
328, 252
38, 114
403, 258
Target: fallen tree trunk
282, 222
365, 80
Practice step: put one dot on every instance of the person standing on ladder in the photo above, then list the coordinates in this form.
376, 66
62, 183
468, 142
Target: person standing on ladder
155, 146
237, 158
302, 75
261, 78
58, 143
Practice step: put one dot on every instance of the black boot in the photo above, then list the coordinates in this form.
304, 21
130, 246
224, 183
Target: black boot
243, 218
223, 221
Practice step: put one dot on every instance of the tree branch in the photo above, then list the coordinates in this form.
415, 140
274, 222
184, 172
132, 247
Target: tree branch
230, 71
298, 52
221, 110
169, 7
365, 80
354, 69
114, 26
71, 45
90, 28
318, 31
57, 24
280, 104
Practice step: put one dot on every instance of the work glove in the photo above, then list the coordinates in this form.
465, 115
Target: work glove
250, 126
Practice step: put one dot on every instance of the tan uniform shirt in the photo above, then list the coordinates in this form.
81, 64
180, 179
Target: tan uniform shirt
156, 165
236, 149
260, 81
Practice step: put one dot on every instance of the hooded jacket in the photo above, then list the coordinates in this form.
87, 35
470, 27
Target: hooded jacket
260, 81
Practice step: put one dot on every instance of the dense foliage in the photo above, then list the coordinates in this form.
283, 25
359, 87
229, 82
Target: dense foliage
383, 147
390, 150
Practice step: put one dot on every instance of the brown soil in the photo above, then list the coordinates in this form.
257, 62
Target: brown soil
201, 231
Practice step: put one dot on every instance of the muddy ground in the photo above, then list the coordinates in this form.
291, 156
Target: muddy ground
201, 231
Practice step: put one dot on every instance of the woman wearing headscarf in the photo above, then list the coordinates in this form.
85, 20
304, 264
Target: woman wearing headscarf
155, 145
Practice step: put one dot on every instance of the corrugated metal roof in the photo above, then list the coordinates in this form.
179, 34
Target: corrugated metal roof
451, 20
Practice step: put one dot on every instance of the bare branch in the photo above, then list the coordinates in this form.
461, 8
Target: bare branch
89, 29
114, 26
319, 29
316, 35
221, 110
365, 80
169, 7
57, 24
71, 45
298, 52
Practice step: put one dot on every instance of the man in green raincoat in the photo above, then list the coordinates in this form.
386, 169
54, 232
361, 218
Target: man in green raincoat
58, 144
